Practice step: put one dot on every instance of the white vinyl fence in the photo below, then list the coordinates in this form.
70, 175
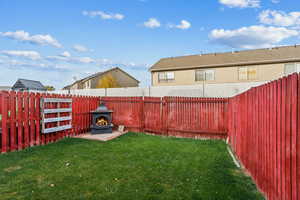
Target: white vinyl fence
208, 90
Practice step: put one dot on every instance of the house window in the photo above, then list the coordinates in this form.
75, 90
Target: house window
204, 75
161, 76
210, 75
247, 73
199, 75
87, 84
252, 73
166, 76
291, 68
170, 75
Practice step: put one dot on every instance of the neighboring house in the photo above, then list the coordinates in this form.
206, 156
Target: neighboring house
28, 85
232, 67
112, 78
6, 88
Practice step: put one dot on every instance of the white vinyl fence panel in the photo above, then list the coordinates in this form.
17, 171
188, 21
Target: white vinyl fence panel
207, 90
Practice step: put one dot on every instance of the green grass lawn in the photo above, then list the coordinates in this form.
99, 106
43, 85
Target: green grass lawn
134, 166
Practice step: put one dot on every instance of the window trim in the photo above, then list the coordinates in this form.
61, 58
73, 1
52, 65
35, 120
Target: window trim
296, 65
203, 75
165, 75
239, 73
205, 72
249, 75
248, 68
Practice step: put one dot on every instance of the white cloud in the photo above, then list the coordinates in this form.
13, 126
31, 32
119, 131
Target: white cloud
35, 65
252, 36
58, 58
275, 1
14, 62
103, 15
279, 18
85, 60
39, 39
241, 3
69, 59
80, 48
183, 25
65, 54
33, 55
103, 61
25, 64
152, 23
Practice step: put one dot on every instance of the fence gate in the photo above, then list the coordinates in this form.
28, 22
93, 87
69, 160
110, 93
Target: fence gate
56, 114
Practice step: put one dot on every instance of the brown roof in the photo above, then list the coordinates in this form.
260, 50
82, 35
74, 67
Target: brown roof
236, 58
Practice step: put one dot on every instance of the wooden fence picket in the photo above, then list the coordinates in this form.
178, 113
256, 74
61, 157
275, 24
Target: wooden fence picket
12, 119
5, 134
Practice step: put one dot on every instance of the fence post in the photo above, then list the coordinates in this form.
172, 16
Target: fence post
12, 109
294, 98
165, 115
142, 119
31, 119
298, 136
4, 102
38, 120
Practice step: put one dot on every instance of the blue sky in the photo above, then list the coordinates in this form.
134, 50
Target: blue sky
59, 41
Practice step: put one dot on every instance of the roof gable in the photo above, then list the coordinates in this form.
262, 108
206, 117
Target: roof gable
101, 74
28, 85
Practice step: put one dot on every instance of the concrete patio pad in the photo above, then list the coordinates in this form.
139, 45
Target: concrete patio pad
101, 137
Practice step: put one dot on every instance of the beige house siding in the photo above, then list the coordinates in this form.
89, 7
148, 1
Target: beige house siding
123, 79
222, 75
75, 87
95, 81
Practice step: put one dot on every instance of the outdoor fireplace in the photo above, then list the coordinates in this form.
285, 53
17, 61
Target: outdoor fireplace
102, 118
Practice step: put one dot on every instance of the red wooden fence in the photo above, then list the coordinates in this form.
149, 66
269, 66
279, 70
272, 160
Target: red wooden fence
262, 125
171, 116
264, 131
126, 111
20, 119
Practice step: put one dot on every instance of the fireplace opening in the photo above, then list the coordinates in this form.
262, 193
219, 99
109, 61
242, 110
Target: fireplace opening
101, 121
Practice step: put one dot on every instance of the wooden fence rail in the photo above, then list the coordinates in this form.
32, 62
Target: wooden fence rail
264, 131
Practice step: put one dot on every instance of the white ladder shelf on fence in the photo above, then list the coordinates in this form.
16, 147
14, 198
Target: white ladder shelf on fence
58, 111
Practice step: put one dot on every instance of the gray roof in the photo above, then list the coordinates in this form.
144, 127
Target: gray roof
237, 58
28, 85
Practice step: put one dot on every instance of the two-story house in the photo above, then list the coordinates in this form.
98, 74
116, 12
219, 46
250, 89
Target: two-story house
231, 67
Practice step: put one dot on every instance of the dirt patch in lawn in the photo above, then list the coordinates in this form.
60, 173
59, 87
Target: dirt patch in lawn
12, 168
